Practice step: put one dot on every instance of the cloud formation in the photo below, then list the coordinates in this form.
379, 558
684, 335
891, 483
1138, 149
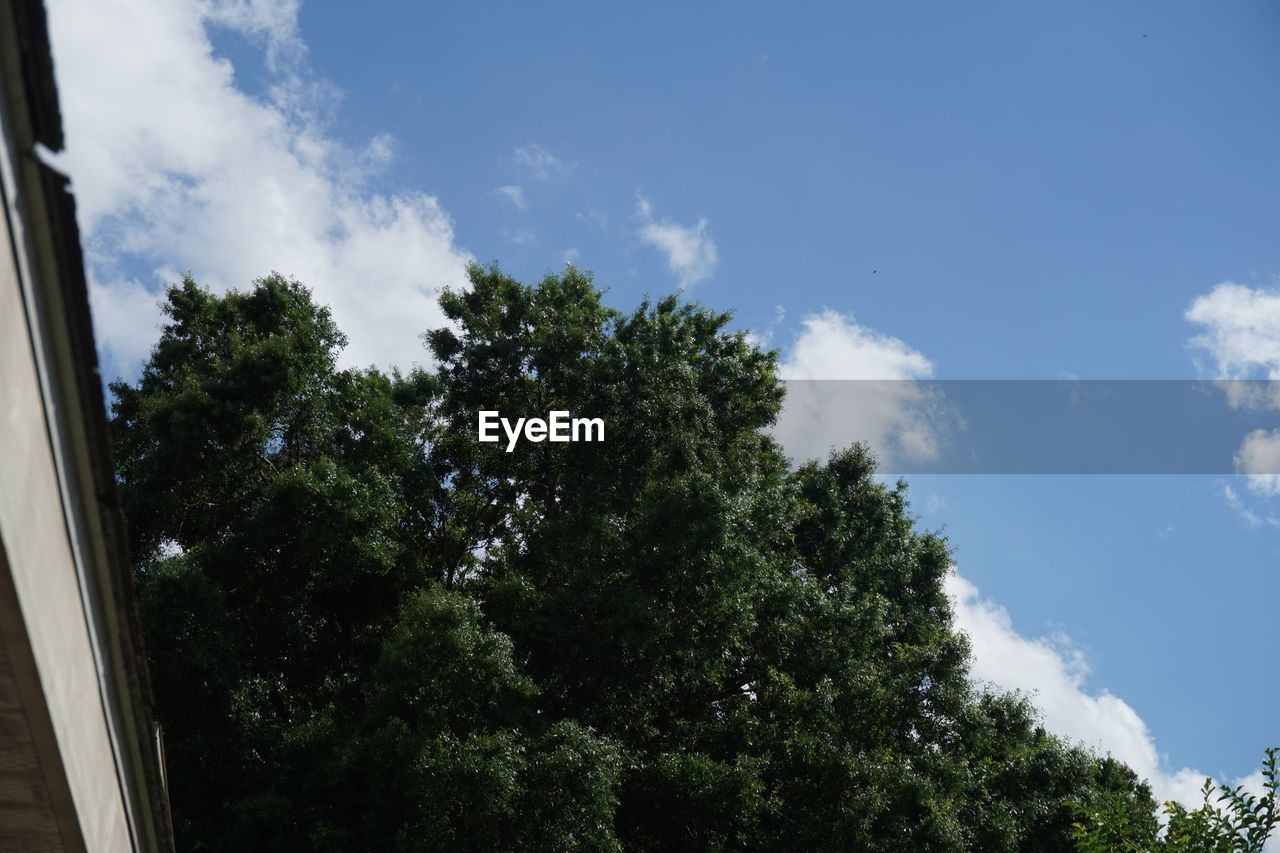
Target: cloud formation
690, 252
1240, 330
832, 345
899, 420
1053, 673
176, 168
273, 22
1259, 458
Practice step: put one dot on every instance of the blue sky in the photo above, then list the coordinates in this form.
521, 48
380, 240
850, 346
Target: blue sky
1039, 193
994, 190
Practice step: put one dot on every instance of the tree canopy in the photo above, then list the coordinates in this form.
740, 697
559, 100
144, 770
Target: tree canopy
370, 631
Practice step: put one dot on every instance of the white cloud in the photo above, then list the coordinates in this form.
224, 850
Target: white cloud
1053, 673
571, 256
176, 168
513, 194
691, 253
540, 164
1241, 335
1259, 458
126, 319
1241, 329
899, 420
832, 345
273, 21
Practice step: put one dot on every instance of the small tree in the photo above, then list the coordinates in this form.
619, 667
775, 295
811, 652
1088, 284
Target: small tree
1242, 822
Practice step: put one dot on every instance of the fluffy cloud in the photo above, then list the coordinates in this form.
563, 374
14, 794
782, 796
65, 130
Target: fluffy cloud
1240, 329
1053, 673
513, 194
1259, 458
834, 346
274, 22
898, 419
540, 164
691, 253
175, 168
1240, 332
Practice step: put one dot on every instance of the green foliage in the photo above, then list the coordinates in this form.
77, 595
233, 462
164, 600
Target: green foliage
1234, 822
370, 631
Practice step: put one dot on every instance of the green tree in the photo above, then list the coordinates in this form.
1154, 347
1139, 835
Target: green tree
369, 630
273, 508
